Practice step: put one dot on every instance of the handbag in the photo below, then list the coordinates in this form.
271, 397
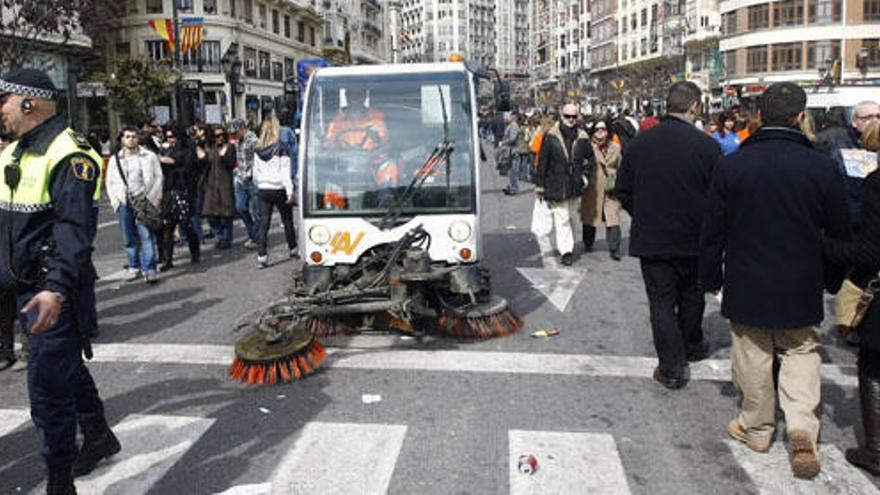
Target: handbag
145, 212
852, 302
610, 179
542, 218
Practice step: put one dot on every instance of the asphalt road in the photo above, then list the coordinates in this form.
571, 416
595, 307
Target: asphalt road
390, 415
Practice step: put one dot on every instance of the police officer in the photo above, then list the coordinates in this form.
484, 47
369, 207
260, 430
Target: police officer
46, 199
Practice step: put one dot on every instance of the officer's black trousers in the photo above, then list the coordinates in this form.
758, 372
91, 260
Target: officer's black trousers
60, 386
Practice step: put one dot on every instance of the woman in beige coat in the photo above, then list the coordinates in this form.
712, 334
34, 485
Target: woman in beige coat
597, 205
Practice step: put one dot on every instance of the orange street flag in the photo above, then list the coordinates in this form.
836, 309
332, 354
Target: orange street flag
165, 29
191, 30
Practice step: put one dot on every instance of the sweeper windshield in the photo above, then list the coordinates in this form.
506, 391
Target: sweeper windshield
369, 136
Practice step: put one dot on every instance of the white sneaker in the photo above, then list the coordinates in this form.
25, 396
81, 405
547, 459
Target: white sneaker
133, 275
249, 244
262, 262
294, 253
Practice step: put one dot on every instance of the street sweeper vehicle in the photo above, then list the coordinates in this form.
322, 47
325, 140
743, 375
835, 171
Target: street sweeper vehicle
389, 219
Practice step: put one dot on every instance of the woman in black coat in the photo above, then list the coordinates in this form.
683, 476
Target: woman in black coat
863, 254
178, 195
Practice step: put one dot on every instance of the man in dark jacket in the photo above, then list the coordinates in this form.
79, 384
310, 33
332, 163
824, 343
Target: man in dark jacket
663, 184
840, 143
769, 206
563, 166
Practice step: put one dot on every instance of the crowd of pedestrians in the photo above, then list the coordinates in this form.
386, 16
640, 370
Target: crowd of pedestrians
204, 173
768, 212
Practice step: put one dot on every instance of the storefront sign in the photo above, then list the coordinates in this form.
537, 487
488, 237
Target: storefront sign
753, 90
92, 89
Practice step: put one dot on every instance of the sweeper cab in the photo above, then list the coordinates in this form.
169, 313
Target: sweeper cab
389, 218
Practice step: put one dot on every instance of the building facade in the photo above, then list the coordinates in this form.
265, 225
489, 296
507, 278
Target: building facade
432, 30
834, 43
704, 64
354, 31
560, 51
270, 37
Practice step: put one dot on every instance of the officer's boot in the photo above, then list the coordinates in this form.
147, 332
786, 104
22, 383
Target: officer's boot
60, 481
99, 443
589, 235
868, 457
612, 235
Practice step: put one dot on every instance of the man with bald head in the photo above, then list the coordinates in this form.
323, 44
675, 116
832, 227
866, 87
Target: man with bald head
563, 167
863, 115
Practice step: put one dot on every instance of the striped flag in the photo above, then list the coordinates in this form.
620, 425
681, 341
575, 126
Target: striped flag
165, 29
191, 29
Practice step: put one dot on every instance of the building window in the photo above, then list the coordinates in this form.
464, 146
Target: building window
157, 50
824, 11
287, 26
263, 66
289, 68
250, 62
301, 31
248, 11
154, 6
263, 16
759, 17
185, 6
787, 56
788, 13
276, 28
729, 23
277, 71
205, 59
312, 37
872, 10
623, 25
232, 9
730, 63
644, 17
756, 59
209, 7
873, 47
822, 53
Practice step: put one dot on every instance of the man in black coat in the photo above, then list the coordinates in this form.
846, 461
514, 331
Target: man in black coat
561, 175
663, 183
769, 206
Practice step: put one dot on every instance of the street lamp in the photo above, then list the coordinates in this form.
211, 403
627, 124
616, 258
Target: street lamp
231, 64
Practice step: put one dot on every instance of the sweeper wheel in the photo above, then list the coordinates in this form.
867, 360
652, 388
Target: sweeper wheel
258, 361
483, 320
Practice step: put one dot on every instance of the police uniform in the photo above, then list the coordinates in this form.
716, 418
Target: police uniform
48, 228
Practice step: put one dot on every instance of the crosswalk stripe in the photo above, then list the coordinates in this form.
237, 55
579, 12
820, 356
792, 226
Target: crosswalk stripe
771, 472
11, 419
568, 462
151, 445
340, 458
451, 361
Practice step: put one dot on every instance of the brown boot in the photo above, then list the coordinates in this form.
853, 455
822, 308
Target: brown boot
804, 457
868, 457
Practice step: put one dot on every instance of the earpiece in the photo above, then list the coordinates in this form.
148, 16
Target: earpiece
27, 105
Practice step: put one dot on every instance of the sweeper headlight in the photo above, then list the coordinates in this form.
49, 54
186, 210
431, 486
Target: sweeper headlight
319, 235
460, 231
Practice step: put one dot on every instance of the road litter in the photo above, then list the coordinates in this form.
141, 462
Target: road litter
511, 227
528, 464
371, 398
280, 396
265, 410
546, 332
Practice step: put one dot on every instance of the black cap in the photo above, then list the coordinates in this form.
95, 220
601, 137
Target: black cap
28, 82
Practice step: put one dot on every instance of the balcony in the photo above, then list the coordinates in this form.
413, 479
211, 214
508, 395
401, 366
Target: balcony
372, 3
371, 28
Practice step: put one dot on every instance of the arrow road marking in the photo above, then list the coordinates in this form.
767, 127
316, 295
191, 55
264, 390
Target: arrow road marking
557, 283
10, 419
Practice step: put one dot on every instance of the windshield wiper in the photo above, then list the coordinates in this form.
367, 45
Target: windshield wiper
442, 153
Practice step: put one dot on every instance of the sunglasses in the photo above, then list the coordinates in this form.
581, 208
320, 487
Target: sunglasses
220, 134
603, 128
170, 136
569, 116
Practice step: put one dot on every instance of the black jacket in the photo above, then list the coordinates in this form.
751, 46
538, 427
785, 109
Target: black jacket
663, 183
864, 254
561, 173
769, 206
835, 142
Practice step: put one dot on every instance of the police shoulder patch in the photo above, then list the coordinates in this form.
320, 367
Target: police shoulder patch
79, 139
83, 168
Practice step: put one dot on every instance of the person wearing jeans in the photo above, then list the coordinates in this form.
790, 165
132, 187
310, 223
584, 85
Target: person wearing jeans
245, 197
132, 172
245, 189
272, 177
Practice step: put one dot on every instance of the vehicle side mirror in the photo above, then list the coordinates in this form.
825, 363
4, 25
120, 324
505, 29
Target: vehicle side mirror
502, 96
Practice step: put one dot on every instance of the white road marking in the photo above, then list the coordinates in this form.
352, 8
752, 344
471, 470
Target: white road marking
11, 419
107, 224
557, 283
151, 445
353, 357
340, 458
568, 462
771, 472
251, 489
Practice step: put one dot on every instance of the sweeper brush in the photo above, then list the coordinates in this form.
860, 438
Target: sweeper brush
393, 287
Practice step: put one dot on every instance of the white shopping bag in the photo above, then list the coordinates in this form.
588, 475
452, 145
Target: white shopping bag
542, 218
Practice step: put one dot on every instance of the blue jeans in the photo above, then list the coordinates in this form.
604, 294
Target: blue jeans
145, 261
525, 167
222, 227
245, 206
513, 175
